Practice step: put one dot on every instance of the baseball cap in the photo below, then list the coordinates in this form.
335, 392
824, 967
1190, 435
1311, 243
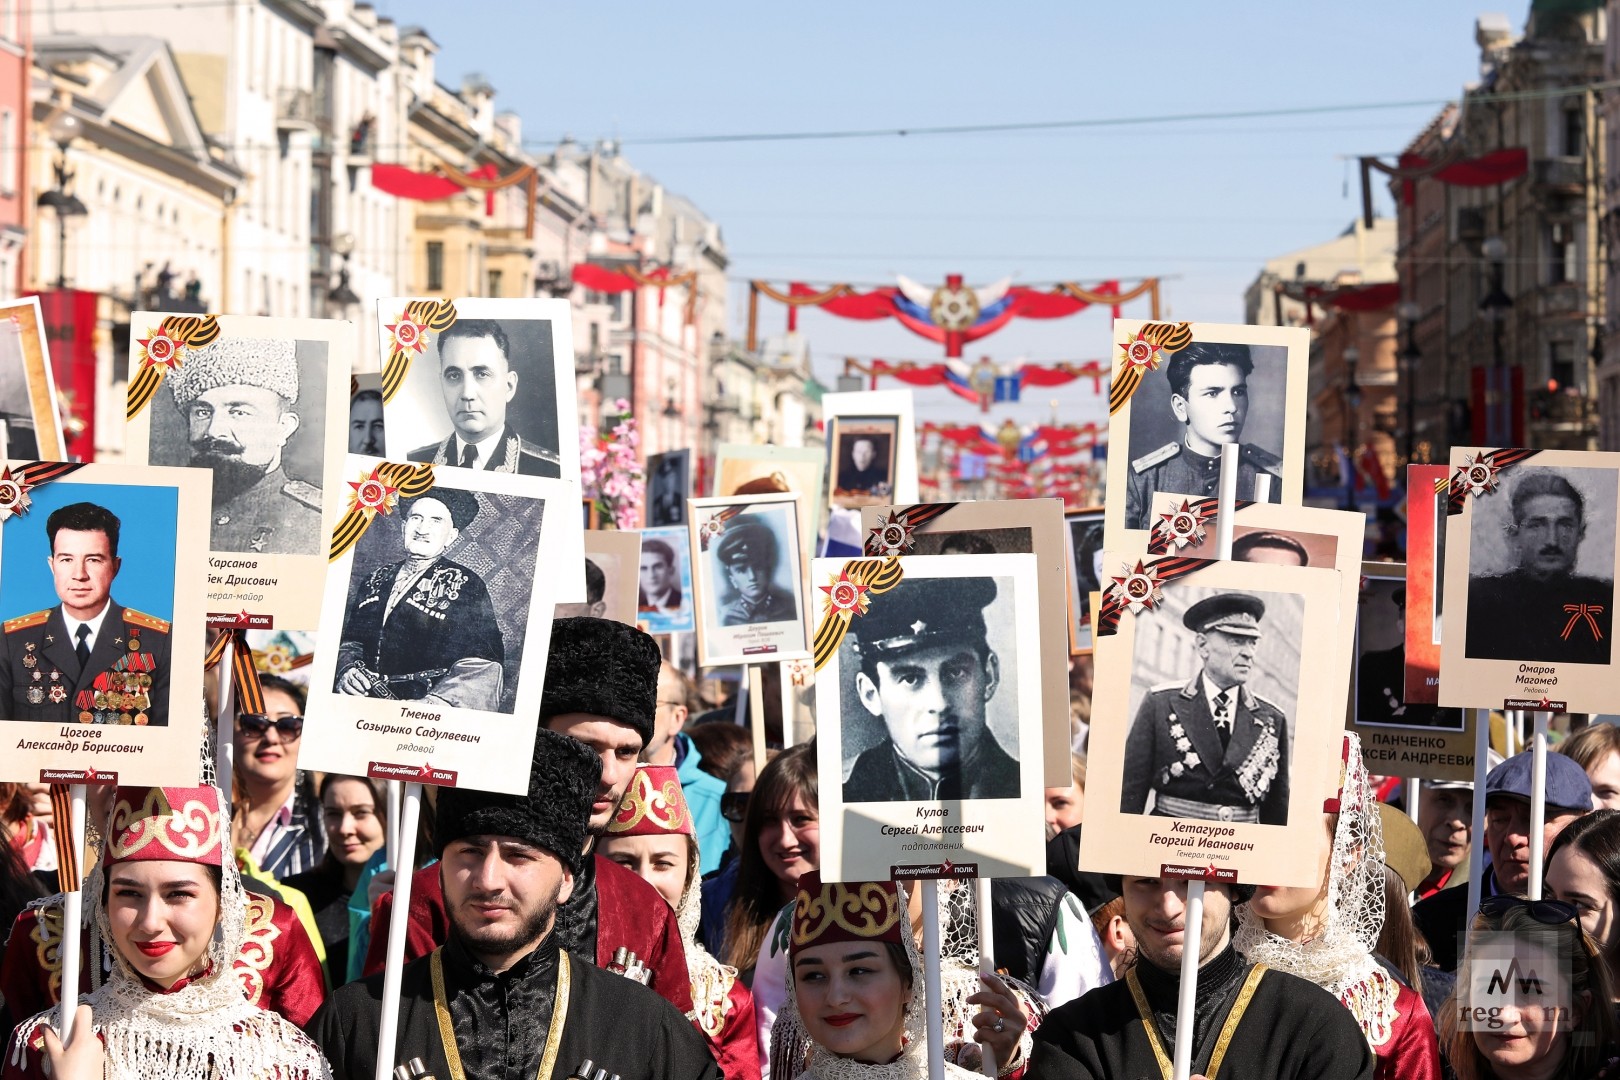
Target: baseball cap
1492, 761
1567, 785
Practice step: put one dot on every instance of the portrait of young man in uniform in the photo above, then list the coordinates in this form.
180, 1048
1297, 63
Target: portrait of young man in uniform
1210, 401
241, 404
927, 673
746, 557
1209, 747
1525, 612
88, 659
424, 628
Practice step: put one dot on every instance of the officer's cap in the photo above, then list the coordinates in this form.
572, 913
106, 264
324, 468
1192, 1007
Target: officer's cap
747, 539
1233, 613
270, 363
923, 613
463, 505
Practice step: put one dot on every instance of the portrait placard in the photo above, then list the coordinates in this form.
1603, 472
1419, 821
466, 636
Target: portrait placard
486, 384
106, 556
861, 453
1210, 752
743, 469
612, 560
747, 579
1427, 492
262, 405
669, 485
366, 432
1400, 737
879, 403
929, 715
1530, 566
664, 592
1017, 526
1084, 534
432, 648
30, 425
1182, 390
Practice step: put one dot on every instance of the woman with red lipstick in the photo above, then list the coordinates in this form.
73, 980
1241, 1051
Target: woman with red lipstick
276, 817
171, 906
1498, 1034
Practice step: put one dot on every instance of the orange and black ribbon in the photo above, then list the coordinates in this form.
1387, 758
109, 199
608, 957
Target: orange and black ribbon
426, 316
1167, 337
1589, 612
67, 852
244, 678
1166, 570
406, 482
877, 576
1205, 510
178, 332
905, 519
1495, 460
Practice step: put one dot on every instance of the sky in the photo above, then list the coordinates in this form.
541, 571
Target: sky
1200, 203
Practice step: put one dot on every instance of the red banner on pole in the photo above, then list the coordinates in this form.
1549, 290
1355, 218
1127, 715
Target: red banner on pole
70, 329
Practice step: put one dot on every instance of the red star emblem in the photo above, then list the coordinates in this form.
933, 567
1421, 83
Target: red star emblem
1138, 588
1140, 352
1545, 705
844, 596
1477, 474
13, 495
425, 772
243, 617
372, 494
161, 348
409, 335
946, 867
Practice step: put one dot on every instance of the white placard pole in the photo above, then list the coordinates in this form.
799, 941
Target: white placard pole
756, 714
1538, 801
1414, 791
987, 957
393, 796
398, 926
1476, 825
72, 916
790, 703
225, 720
931, 980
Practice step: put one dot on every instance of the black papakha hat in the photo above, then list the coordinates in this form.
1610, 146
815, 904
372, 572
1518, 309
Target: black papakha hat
604, 668
563, 777
922, 613
463, 505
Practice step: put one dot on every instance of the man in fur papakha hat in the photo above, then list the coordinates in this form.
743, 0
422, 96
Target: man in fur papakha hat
601, 690
237, 398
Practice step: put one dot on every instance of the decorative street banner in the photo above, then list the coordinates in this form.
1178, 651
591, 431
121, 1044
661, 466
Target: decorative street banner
1531, 561
432, 647
101, 599
928, 715
748, 579
263, 405
1427, 493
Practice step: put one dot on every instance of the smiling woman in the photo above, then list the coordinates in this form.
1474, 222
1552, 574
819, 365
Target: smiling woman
276, 817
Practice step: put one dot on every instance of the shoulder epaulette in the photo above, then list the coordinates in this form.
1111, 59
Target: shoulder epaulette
1163, 453
1162, 687
149, 622
304, 492
1269, 704
1265, 459
23, 622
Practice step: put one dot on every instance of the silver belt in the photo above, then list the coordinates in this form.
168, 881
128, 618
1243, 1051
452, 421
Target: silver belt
1170, 806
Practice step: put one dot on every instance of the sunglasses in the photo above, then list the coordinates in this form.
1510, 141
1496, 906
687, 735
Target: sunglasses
1546, 912
289, 727
734, 805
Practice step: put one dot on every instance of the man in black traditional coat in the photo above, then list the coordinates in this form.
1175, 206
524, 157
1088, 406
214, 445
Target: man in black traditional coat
501, 999
1267, 1025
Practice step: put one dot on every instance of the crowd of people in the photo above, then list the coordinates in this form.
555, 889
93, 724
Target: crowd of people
653, 908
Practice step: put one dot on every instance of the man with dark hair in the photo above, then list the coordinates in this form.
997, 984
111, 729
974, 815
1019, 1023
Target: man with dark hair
1542, 610
89, 659
747, 555
660, 579
1275, 548
237, 397
1212, 748
503, 996
861, 472
927, 672
366, 423
424, 628
478, 383
1209, 393
595, 604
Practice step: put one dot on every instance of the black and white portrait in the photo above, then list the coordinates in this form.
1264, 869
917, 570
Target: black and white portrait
750, 560
254, 412
748, 578
1088, 572
610, 577
1214, 689
929, 701
664, 582
366, 416
1202, 397
669, 485
1012, 541
1282, 547
438, 601
1540, 566
482, 395
19, 438
1380, 682
862, 455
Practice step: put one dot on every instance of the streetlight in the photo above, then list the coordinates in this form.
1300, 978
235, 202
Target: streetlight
1352, 407
63, 128
1410, 312
341, 294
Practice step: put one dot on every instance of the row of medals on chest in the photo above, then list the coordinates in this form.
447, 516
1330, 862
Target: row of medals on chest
114, 691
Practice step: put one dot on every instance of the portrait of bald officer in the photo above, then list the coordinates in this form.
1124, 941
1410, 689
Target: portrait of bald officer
478, 382
238, 398
928, 673
1211, 748
88, 659
747, 555
1209, 394
424, 628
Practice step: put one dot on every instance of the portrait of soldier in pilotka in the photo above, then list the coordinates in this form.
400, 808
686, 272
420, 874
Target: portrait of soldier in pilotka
1540, 571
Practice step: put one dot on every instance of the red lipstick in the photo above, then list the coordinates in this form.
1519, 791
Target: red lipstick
156, 948
842, 1019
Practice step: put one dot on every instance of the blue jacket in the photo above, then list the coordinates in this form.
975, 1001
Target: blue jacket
703, 797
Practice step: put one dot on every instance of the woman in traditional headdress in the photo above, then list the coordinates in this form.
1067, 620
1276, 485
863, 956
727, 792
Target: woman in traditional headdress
652, 836
171, 906
1326, 932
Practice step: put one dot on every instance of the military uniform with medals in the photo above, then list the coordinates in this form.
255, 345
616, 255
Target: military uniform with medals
512, 453
125, 681
1175, 468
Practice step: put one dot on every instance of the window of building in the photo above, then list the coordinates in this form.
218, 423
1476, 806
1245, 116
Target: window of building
1561, 253
435, 265
1560, 364
494, 283
8, 149
1574, 133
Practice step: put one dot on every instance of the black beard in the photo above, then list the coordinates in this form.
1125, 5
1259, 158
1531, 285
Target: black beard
533, 927
232, 475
